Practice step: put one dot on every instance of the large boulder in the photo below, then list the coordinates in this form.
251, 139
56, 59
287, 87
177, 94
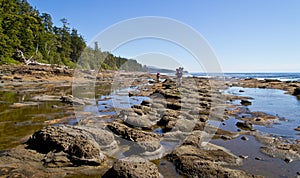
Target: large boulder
142, 143
212, 153
246, 102
192, 167
22, 162
245, 125
296, 91
138, 121
67, 144
195, 159
133, 167
135, 117
131, 134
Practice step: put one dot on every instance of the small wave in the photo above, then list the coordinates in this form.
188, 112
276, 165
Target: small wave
260, 76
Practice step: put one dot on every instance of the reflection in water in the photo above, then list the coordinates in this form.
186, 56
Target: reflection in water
19, 122
112, 103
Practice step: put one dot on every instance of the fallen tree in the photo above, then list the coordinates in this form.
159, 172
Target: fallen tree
29, 61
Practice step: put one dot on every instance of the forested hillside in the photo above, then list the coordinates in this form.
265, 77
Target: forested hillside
26, 29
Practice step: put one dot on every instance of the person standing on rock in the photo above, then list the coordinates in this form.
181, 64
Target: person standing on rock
179, 74
157, 77
176, 74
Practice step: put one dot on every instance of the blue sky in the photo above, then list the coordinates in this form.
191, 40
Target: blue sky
246, 35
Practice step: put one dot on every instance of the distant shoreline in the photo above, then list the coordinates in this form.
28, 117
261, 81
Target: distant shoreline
260, 76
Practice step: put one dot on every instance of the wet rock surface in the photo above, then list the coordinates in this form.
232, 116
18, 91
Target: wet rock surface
276, 147
246, 102
133, 166
191, 167
142, 143
245, 125
257, 118
71, 145
296, 91
22, 162
290, 87
193, 159
24, 104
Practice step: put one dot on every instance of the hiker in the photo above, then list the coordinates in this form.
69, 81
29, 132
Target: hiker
179, 74
157, 77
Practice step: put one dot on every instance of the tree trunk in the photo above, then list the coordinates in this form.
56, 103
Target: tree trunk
29, 61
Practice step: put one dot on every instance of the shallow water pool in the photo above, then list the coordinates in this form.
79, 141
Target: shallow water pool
274, 102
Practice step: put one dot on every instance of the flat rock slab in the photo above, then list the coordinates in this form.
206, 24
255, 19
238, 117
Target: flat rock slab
22, 162
194, 162
24, 104
280, 148
195, 159
146, 144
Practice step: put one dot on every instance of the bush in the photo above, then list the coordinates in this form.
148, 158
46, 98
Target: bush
8, 60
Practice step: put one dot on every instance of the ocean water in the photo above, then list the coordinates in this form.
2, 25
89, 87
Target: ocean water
273, 102
260, 76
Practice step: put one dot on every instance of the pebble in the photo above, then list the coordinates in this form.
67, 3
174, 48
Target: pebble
224, 137
257, 158
243, 156
54, 106
246, 102
244, 138
288, 160
17, 78
245, 125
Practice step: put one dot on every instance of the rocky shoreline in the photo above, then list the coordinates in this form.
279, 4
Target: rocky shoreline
172, 123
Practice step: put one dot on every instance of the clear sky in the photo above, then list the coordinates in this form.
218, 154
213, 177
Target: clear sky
246, 35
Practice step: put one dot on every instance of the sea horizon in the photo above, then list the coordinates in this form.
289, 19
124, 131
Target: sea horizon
282, 76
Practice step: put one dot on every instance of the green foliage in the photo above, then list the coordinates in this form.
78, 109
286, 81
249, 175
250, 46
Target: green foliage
7, 60
23, 27
77, 45
95, 59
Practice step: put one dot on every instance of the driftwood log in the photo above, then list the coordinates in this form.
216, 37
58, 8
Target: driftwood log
29, 61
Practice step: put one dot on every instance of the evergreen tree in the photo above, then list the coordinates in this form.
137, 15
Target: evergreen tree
23, 28
77, 45
47, 22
